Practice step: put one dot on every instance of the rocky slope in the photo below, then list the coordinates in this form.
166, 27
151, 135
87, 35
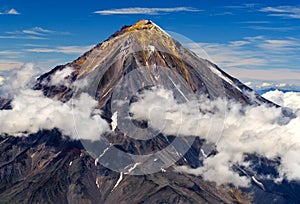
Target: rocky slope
47, 167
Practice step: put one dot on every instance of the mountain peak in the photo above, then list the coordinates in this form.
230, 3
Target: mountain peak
138, 26
142, 24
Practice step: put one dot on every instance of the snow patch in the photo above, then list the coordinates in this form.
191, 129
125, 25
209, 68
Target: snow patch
96, 161
151, 48
133, 167
118, 181
160, 29
217, 72
114, 122
260, 184
97, 183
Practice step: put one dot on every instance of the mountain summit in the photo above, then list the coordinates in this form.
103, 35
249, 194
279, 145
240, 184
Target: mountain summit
144, 45
136, 63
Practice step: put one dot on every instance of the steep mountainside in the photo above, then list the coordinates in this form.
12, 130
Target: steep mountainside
48, 167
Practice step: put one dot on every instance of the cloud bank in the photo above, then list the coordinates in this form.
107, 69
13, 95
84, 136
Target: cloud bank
235, 130
32, 111
260, 130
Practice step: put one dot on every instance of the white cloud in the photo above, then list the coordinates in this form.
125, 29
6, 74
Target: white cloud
35, 33
283, 11
281, 85
21, 78
32, 111
13, 12
1, 80
29, 37
61, 49
10, 12
255, 22
288, 99
273, 28
229, 55
59, 77
248, 83
8, 65
239, 43
260, 130
243, 6
280, 45
149, 11
241, 58
260, 74
266, 84
9, 52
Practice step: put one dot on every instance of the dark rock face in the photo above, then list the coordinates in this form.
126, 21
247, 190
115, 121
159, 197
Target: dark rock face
47, 167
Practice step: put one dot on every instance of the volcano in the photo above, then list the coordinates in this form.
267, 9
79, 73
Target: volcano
132, 163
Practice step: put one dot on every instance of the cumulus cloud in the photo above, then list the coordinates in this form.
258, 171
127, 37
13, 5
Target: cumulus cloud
255, 130
288, 99
32, 111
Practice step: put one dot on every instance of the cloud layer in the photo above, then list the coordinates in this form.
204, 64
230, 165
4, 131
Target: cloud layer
261, 130
233, 129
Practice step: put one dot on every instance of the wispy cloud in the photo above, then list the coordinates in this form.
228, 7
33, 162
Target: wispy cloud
281, 45
28, 37
269, 28
283, 11
252, 52
35, 33
10, 12
9, 52
38, 31
9, 64
149, 11
255, 22
231, 54
243, 6
259, 74
61, 49
32, 31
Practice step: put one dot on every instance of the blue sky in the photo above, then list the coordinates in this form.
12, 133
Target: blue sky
251, 40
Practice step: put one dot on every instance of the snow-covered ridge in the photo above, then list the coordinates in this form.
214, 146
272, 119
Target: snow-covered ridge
218, 73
